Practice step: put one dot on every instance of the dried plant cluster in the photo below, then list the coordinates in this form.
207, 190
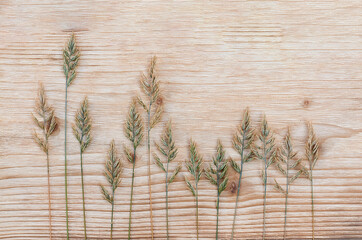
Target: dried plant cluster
249, 142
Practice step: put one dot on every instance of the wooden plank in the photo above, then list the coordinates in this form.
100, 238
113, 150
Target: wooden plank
295, 61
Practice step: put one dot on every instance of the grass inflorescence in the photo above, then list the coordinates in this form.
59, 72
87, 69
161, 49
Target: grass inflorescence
287, 162
312, 156
194, 166
71, 58
217, 175
82, 131
154, 109
45, 119
265, 151
134, 132
242, 143
168, 150
113, 170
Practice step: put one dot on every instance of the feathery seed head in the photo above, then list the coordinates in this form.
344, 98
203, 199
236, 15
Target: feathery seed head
83, 126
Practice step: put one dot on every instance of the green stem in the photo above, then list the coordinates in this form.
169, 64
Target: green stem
265, 187
218, 202
131, 202
49, 202
112, 213
286, 202
48, 175
217, 215
312, 197
81, 173
65, 157
167, 201
149, 164
197, 211
238, 192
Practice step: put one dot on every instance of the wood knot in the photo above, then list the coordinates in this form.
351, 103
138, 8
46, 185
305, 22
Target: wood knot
233, 187
159, 101
306, 103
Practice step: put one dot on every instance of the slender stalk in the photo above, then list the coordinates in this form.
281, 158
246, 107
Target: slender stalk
237, 196
286, 202
48, 176
149, 166
113, 190
167, 201
197, 210
49, 202
265, 187
312, 199
65, 158
217, 216
81, 171
131, 202
217, 207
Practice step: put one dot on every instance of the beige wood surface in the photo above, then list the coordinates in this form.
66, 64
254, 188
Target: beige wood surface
295, 61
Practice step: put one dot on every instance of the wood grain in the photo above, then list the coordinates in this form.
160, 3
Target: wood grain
295, 61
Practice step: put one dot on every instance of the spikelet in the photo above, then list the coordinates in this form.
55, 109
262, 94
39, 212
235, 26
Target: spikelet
311, 155
219, 169
44, 119
242, 142
150, 87
194, 166
169, 151
71, 58
287, 162
113, 170
133, 130
311, 147
265, 151
83, 126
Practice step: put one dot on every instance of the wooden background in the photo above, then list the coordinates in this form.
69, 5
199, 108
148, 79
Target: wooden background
295, 61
